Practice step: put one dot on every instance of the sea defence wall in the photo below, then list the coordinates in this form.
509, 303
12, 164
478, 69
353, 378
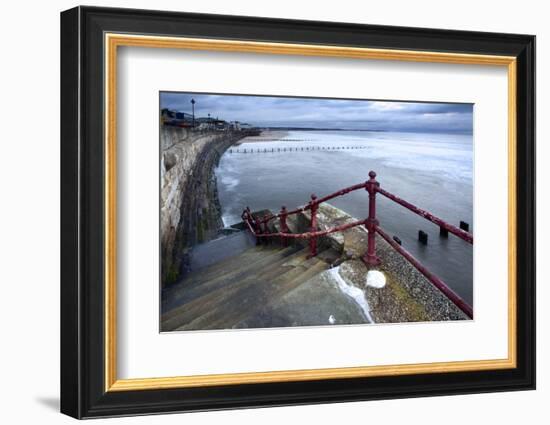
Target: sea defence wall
190, 209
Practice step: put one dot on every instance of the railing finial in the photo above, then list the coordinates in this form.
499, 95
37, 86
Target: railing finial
370, 258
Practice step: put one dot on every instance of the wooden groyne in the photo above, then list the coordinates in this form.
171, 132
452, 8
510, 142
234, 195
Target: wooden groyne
295, 149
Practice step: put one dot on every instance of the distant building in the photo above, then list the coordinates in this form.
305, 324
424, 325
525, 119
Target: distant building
235, 125
184, 119
209, 123
176, 118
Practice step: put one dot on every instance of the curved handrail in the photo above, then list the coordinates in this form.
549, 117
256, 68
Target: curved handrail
462, 234
317, 201
341, 192
309, 235
258, 226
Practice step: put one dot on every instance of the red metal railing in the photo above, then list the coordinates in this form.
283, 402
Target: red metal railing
436, 281
462, 234
260, 228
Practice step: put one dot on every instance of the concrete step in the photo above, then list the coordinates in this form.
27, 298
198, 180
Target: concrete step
249, 320
217, 250
192, 302
271, 292
239, 262
235, 264
248, 298
197, 299
214, 269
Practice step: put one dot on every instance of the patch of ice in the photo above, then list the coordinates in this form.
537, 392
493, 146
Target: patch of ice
352, 291
376, 279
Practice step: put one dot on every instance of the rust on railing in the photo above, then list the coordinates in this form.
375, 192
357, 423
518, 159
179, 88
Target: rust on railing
371, 186
341, 192
284, 228
318, 201
462, 234
260, 228
315, 234
313, 206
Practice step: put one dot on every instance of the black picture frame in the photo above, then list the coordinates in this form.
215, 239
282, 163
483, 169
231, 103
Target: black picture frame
83, 392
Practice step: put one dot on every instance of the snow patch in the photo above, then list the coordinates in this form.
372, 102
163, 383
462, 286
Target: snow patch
352, 291
376, 279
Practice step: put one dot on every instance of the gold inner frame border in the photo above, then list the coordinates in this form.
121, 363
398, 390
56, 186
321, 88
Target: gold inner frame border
111, 43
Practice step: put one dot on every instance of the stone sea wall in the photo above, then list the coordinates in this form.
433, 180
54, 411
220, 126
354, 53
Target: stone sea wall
190, 209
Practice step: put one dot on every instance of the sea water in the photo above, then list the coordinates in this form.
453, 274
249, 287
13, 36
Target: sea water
432, 171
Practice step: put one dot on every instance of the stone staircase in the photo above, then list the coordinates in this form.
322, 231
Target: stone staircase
237, 291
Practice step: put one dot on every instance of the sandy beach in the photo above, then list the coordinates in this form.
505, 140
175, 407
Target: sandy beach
267, 136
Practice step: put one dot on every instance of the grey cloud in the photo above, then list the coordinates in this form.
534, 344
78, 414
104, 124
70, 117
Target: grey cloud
327, 113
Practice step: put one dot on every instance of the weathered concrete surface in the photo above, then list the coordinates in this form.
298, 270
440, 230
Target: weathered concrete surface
216, 250
264, 286
190, 209
316, 302
268, 285
407, 296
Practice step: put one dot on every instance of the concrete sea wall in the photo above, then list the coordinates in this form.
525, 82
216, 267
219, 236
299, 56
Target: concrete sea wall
190, 209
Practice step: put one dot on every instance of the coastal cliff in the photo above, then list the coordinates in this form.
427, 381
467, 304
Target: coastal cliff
190, 209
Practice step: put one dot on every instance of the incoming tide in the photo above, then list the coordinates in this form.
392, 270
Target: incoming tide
433, 171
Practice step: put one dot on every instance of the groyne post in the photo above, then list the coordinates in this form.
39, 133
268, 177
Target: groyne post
371, 186
465, 226
313, 226
423, 237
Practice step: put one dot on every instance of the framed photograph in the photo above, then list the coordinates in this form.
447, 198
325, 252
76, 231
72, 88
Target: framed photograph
261, 212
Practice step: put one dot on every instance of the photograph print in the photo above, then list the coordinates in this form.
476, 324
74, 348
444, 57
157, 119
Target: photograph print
279, 212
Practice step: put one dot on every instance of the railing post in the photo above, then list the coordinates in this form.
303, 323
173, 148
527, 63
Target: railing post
370, 257
257, 229
313, 226
250, 221
284, 227
244, 216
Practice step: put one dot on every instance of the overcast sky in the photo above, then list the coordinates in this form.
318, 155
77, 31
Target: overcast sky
326, 113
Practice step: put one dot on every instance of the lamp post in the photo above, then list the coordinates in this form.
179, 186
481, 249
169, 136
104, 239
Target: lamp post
193, 108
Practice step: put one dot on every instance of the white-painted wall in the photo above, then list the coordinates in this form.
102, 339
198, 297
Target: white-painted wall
29, 225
